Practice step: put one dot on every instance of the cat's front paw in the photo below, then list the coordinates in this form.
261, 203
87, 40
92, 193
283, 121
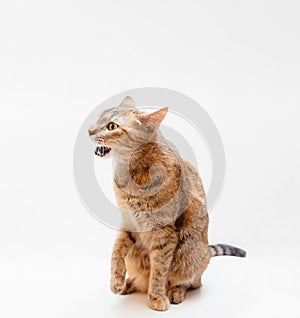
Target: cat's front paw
118, 284
161, 303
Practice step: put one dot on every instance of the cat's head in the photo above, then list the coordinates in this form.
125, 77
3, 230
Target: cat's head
122, 128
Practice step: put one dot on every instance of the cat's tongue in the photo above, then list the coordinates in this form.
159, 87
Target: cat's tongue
102, 151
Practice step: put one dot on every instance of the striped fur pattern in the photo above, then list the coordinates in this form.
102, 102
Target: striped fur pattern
224, 249
162, 247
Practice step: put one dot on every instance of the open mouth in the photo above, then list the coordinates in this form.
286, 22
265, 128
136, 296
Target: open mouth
102, 151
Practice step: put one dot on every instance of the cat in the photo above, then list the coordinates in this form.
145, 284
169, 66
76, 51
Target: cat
162, 246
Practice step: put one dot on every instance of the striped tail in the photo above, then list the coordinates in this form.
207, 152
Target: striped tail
223, 249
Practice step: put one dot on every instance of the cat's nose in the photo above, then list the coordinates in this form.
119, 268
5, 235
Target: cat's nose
92, 130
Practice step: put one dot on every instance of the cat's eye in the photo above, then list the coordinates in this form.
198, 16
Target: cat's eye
112, 126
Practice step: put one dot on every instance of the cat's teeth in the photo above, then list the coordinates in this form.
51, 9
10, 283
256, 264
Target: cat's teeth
102, 151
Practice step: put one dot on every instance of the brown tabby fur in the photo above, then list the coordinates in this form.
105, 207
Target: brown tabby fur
162, 245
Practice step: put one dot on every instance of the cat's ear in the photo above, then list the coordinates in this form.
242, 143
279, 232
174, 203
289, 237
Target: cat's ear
127, 102
153, 120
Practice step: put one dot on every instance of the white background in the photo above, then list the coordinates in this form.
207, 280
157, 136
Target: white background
59, 59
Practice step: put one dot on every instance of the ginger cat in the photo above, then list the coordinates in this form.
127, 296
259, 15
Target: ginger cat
162, 244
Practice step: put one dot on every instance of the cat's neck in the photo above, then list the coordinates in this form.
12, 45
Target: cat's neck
123, 157
146, 163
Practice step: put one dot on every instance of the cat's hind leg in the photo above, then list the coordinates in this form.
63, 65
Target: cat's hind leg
130, 287
138, 270
196, 283
176, 294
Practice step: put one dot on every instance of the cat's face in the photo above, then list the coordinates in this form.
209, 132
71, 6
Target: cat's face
120, 129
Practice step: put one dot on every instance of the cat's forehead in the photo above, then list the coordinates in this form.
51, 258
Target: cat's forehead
113, 113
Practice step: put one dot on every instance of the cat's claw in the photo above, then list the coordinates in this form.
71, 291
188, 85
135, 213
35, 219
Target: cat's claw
159, 303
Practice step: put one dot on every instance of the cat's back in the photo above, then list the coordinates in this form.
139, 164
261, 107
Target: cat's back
192, 181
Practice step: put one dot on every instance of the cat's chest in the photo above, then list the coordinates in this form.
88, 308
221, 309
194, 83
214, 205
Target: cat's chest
142, 241
144, 213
